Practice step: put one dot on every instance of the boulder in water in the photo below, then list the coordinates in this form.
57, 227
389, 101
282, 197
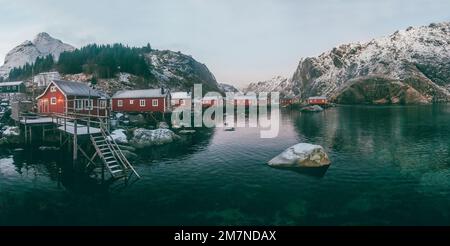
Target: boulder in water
119, 136
302, 155
145, 138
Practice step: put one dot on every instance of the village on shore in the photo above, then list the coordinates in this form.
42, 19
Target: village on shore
100, 130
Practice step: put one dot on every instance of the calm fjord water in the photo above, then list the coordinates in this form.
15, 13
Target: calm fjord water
391, 166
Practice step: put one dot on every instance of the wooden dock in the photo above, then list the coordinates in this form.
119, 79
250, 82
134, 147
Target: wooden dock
80, 133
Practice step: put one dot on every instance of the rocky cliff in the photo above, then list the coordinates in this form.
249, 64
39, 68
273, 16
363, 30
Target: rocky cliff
407, 67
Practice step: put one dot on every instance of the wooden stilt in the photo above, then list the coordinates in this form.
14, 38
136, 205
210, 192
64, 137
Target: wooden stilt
75, 142
26, 134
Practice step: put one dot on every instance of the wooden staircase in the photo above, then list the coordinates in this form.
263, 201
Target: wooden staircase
112, 156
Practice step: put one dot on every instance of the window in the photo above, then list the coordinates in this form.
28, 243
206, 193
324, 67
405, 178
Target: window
78, 104
119, 103
53, 101
102, 104
88, 104
142, 103
131, 102
14, 87
53, 89
155, 102
182, 102
8, 88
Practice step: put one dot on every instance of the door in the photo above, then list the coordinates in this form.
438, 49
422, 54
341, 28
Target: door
44, 106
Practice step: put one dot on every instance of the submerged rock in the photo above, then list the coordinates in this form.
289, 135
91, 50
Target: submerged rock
129, 155
145, 138
187, 132
48, 148
314, 108
302, 155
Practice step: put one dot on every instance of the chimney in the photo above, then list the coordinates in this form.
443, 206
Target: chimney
162, 90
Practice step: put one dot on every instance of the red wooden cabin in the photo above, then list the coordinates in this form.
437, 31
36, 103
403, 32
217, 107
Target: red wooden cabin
69, 97
317, 101
140, 101
209, 101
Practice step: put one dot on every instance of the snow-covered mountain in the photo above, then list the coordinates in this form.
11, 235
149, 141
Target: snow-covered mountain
172, 70
409, 66
178, 71
278, 83
228, 88
27, 52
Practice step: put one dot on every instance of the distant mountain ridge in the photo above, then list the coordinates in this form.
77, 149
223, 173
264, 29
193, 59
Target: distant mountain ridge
169, 69
410, 66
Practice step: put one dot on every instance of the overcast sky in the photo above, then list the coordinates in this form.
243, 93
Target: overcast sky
241, 41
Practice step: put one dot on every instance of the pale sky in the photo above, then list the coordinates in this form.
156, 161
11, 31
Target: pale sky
241, 41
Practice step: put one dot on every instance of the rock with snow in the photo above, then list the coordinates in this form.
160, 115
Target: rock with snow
143, 138
163, 125
119, 136
11, 131
313, 108
410, 66
180, 70
27, 52
276, 84
138, 119
10, 135
228, 88
302, 155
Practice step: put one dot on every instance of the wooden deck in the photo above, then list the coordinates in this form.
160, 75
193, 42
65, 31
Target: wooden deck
80, 129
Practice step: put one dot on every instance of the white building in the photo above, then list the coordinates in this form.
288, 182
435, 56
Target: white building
44, 79
181, 99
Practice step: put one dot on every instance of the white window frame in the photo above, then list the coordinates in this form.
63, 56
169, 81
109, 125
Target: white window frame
88, 104
142, 102
79, 104
119, 103
155, 102
52, 88
131, 102
102, 104
53, 101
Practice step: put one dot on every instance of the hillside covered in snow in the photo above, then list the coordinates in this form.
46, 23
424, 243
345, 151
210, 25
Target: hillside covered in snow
276, 84
27, 52
111, 67
410, 66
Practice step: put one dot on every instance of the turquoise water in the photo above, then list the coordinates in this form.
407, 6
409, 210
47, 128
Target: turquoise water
391, 166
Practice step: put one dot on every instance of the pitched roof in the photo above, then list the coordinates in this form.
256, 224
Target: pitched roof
180, 95
139, 94
72, 88
317, 98
12, 83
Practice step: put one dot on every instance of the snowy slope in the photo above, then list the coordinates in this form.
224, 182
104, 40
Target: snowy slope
277, 83
228, 88
27, 52
178, 71
409, 66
